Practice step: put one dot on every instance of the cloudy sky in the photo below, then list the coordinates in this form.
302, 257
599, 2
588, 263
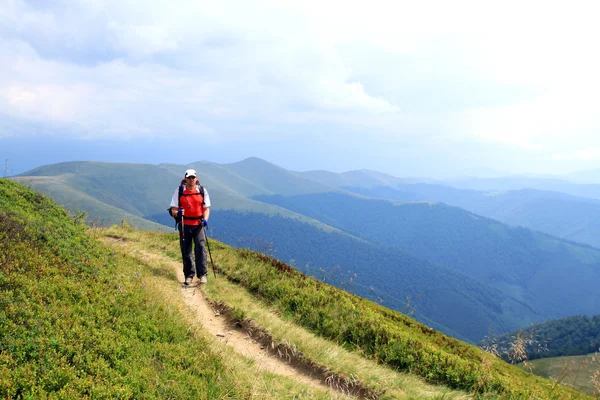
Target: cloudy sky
410, 88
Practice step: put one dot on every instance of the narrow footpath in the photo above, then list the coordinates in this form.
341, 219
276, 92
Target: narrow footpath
225, 330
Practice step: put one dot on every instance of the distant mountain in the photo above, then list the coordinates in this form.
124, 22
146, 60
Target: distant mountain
559, 214
456, 270
589, 176
359, 178
591, 191
531, 268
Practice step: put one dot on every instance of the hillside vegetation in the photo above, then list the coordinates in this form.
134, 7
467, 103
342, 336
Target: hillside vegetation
571, 336
80, 320
74, 323
579, 372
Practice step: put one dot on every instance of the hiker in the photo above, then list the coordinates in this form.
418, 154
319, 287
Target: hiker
191, 205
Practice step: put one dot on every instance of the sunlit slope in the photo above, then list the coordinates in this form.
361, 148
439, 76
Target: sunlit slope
61, 189
388, 337
579, 372
75, 324
145, 190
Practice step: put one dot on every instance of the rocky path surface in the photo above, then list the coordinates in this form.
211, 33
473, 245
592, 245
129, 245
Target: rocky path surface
216, 324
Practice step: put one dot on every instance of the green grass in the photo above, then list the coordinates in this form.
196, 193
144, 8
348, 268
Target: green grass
69, 194
377, 332
575, 371
366, 328
74, 323
348, 366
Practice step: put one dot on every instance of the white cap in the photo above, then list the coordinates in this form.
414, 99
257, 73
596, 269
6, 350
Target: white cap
190, 172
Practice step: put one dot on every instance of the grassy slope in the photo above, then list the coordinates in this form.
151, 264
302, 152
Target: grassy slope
98, 187
335, 360
62, 191
575, 371
363, 327
75, 324
80, 321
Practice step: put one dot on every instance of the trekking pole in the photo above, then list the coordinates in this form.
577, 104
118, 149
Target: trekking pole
181, 226
208, 247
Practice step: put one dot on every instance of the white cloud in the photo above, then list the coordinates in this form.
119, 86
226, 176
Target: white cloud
579, 155
523, 75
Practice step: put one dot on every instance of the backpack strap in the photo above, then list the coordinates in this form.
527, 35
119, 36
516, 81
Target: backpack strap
181, 189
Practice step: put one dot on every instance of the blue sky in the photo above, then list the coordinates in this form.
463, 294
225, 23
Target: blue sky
409, 88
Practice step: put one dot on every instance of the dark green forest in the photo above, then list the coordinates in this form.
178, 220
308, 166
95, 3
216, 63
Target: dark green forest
530, 267
571, 336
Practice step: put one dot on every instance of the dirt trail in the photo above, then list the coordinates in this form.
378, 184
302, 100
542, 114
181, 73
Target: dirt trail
216, 324
221, 328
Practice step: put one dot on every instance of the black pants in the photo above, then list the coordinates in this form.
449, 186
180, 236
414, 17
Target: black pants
193, 235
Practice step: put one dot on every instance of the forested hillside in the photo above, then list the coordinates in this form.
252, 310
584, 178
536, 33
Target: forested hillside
531, 268
559, 214
570, 336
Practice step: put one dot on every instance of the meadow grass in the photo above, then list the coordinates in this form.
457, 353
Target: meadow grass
380, 379
364, 328
75, 323
581, 372
162, 285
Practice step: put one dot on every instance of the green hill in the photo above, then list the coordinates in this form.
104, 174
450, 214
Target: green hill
74, 324
143, 190
82, 320
579, 372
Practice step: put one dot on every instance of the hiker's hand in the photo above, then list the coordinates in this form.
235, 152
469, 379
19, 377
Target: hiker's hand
203, 222
180, 212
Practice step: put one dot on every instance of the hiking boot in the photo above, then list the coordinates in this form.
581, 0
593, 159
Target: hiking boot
203, 279
188, 280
